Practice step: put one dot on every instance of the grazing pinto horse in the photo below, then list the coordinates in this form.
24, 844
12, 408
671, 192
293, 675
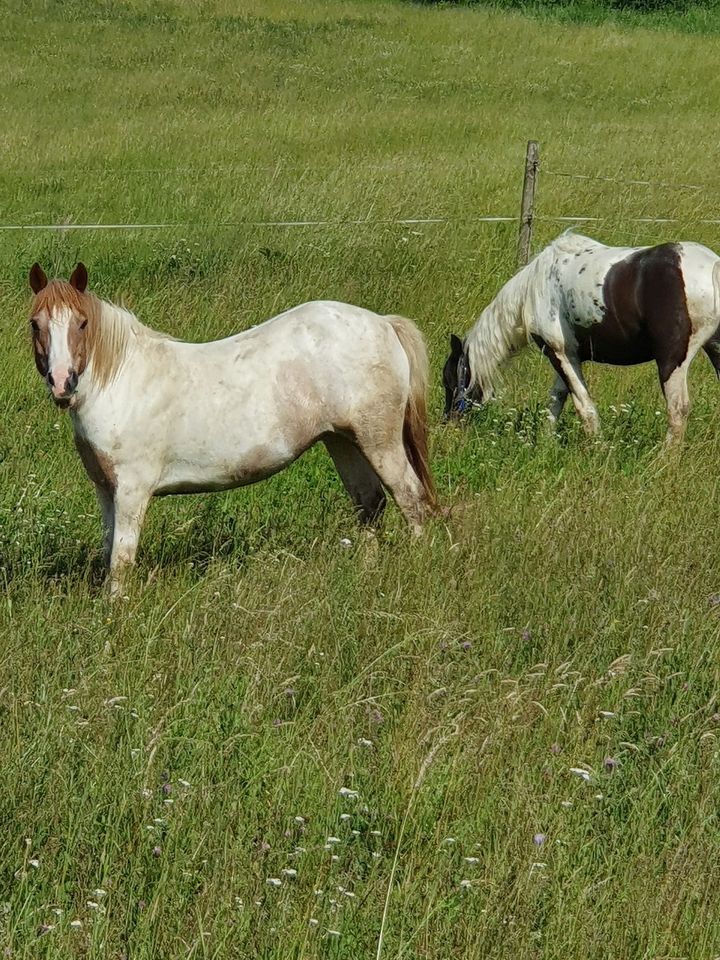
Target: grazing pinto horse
580, 300
153, 415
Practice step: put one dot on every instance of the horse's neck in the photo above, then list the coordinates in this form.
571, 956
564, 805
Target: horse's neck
498, 333
505, 315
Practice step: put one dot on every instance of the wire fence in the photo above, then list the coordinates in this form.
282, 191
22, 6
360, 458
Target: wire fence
667, 184
258, 224
277, 168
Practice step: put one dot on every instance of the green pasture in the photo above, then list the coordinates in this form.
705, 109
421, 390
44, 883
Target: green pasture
281, 744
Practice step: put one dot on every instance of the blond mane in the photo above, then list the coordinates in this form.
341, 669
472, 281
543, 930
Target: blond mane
503, 326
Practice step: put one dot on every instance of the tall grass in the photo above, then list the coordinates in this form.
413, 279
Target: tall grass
282, 745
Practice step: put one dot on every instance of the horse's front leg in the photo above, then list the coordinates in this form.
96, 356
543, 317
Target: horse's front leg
107, 513
130, 504
558, 396
571, 371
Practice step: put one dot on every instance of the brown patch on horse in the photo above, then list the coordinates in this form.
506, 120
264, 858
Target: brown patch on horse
645, 313
99, 466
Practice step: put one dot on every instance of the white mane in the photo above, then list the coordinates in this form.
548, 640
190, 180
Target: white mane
502, 327
111, 334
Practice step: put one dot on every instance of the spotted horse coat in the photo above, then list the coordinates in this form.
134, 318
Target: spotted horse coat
578, 301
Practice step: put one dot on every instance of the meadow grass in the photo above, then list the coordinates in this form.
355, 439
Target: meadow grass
385, 731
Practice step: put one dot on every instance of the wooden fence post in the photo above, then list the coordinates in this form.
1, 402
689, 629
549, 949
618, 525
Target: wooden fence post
527, 208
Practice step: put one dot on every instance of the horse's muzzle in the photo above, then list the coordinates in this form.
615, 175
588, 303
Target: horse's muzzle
62, 395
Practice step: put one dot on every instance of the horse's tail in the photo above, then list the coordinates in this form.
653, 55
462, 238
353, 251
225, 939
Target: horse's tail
415, 431
716, 289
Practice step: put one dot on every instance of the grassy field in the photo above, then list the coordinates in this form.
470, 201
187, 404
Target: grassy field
280, 745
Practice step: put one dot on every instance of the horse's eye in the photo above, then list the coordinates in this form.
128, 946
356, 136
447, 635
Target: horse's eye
35, 326
83, 324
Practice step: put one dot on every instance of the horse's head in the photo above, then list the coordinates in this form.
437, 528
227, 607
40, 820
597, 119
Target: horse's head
60, 315
456, 380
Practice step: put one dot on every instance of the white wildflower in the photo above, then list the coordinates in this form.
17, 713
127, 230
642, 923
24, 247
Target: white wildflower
579, 772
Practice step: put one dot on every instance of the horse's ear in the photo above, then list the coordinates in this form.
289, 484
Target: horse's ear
38, 280
79, 278
456, 345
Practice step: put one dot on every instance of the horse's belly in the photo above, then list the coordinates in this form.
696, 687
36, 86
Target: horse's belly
205, 474
621, 343
602, 350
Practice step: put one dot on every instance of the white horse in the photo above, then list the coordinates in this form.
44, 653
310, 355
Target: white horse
153, 415
579, 300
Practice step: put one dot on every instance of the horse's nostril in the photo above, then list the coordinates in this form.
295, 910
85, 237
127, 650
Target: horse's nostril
72, 380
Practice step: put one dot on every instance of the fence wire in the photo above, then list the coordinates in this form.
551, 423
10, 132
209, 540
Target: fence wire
638, 183
283, 224
367, 222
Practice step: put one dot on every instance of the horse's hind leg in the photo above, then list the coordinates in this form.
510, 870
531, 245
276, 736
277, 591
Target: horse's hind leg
712, 349
677, 399
397, 473
673, 379
359, 479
